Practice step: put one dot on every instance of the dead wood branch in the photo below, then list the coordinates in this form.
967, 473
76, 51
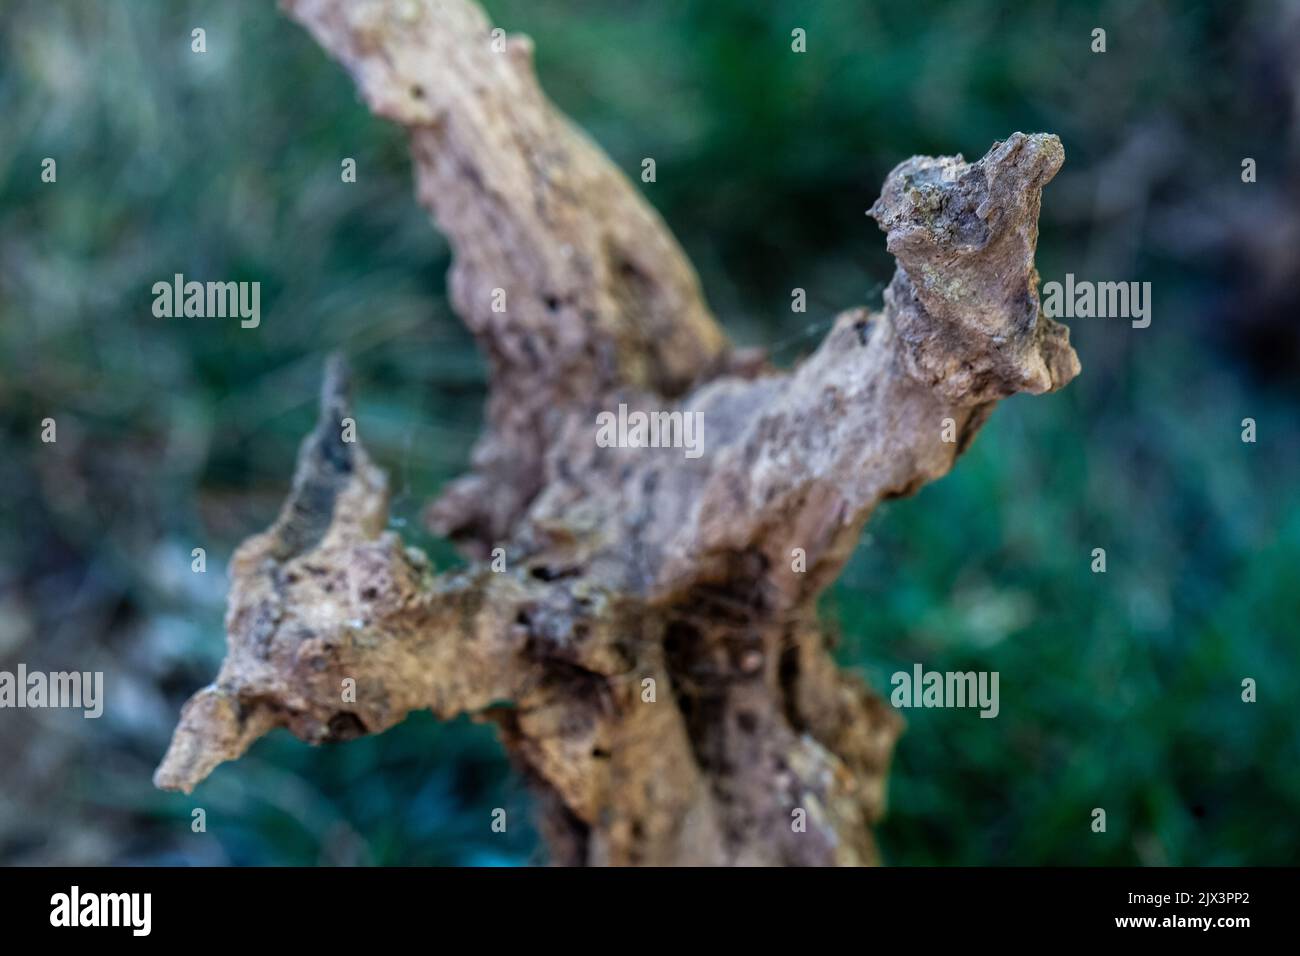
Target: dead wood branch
671, 696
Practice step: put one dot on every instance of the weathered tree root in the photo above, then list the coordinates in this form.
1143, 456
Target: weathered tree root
650, 653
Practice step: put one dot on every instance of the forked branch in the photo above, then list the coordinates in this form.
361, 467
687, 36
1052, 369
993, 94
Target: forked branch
650, 651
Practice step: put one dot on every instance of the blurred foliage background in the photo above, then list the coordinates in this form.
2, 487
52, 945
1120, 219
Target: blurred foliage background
1119, 691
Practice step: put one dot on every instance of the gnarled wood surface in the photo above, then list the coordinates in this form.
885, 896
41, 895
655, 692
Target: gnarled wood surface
627, 566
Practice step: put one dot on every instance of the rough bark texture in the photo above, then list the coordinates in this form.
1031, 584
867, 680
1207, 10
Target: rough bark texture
627, 564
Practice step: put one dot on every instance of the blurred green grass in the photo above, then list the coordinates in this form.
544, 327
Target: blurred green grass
1119, 691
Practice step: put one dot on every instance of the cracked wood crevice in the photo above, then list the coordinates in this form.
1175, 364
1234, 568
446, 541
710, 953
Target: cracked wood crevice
626, 565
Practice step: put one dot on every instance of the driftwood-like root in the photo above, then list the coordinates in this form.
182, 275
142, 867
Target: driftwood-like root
650, 652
